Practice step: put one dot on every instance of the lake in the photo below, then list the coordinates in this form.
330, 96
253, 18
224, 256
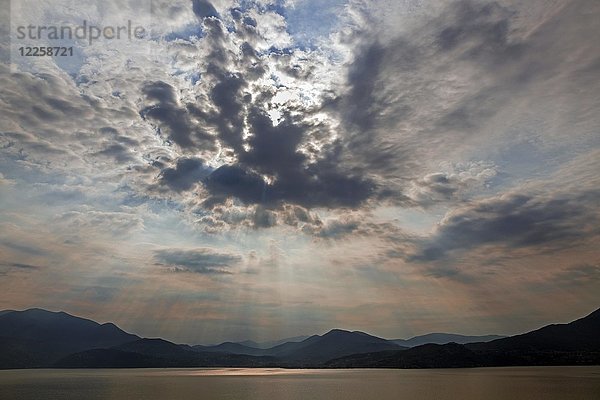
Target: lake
513, 383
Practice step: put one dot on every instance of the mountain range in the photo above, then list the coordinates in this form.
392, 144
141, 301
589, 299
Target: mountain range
37, 338
575, 343
443, 338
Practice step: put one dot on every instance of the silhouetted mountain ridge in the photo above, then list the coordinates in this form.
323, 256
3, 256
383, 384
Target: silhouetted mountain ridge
40, 338
155, 347
337, 343
231, 348
575, 343
580, 335
41, 325
444, 338
272, 343
314, 349
36, 337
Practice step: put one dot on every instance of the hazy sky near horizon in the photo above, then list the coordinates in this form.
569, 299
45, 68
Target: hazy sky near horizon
259, 169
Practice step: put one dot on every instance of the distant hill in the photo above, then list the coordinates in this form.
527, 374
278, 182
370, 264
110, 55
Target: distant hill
273, 343
575, 343
335, 343
314, 349
444, 338
231, 348
285, 349
36, 337
293, 349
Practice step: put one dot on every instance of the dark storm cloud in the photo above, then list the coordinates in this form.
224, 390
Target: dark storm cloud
204, 9
361, 109
236, 181
514, 221
271, 167
311, 185
274, 149
275, 152
306, 188
173, 118
227, 96
186, 173
395, 111
201, 261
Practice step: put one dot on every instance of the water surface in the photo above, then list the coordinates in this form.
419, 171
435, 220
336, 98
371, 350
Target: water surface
529, 383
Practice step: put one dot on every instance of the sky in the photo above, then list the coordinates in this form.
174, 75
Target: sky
255, 169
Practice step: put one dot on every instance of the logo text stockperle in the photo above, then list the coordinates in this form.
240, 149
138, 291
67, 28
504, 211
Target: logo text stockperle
84, 31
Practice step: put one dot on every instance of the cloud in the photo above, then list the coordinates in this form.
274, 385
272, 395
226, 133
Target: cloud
353, 135
513, 221
24, 248
230, 215
455, 184
21, 266
200, 261
118, 147
261, 162
113, 223
238, 182
480, 31
264, 218
172, 118
449, 88
339, 228
204, 9
187, 172
5, 181
579, 275
9, 268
